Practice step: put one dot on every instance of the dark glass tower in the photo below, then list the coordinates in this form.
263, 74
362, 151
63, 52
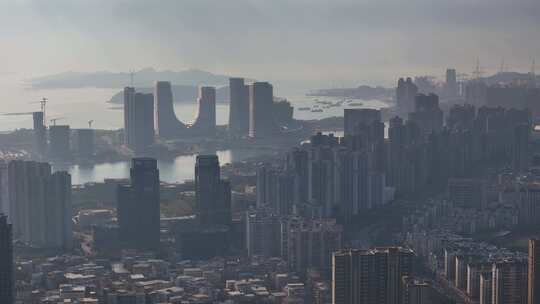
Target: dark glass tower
213, 195
6, 262
138, 206
238, 107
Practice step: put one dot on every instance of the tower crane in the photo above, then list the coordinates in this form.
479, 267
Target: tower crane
55, 119
43, 102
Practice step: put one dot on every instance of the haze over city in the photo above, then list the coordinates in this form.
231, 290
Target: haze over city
292, 43
269, 152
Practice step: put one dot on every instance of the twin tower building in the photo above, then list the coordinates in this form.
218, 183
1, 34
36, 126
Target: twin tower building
147, 115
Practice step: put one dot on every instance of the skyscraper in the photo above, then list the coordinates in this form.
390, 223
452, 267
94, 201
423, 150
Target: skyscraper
405, 94
427, 114
509, 282
310, 243
167, 124
138, 120
261, 120
534, 272
356, 117
40, 204
205, 124
520, 148
7, 278
212, 194
58, 213
85, 143
138, 206
59, 147
238, 107
40, 134
451, 85
370, 276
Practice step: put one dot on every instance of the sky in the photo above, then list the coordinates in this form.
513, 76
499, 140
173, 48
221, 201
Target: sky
305, 43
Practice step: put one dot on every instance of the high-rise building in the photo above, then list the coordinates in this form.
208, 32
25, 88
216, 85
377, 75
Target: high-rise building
516, 97
356, 117
451, 85
138, 120
86, 144
238, 107
529, 205
275, 189
461, 117
40, 134
534, 272
59, 147
261, 120
167, 124
5, 207
262, 233
129, 104
310, 243
467, 193
212, 194
520, 148
486, 288
40, 205
405, 93
417, 292
427, 114
298, 165
509, 282
7, 276
138, 206
58, 213
370, 276
476, 93
205, 124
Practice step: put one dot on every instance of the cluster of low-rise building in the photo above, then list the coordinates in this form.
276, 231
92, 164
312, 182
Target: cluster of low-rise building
145, 279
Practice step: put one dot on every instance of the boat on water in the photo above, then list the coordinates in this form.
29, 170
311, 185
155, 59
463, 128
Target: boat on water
316, 110
356, 104
304, 109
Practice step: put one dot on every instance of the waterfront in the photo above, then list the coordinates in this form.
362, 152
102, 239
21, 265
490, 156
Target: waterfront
75, 107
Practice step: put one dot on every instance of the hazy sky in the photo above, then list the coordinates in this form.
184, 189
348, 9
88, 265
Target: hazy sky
304, 42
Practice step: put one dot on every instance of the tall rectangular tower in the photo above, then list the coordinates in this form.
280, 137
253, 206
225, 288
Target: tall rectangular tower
138, 206
59, 147
261, 101
238, 107
509, 282
370, 276
138, 120
212, 194
7, 278
534, 272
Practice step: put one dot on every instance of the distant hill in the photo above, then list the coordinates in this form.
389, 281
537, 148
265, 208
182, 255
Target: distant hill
506, 77
143, 78
181, 93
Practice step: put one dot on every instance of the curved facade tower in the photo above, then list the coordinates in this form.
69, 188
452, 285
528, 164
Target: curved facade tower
167, 124
205, 124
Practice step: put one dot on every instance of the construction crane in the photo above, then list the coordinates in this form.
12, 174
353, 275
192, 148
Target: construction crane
478, 71
55, 119
90, 124
43, 102
18, 113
